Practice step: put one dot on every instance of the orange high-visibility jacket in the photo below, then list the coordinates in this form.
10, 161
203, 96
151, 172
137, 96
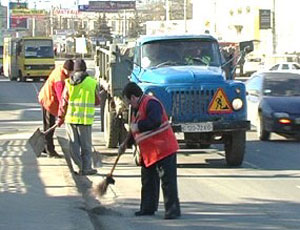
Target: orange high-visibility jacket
158, 143
51, 92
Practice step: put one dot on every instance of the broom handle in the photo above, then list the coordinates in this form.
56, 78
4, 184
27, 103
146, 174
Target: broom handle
115, 164
119, 154
50, 129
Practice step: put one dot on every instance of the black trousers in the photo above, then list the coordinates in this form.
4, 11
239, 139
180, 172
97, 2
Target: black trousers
48, 122
166, 171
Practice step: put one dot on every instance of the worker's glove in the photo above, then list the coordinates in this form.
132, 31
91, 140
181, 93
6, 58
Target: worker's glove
134, 127
122, 148
59, 122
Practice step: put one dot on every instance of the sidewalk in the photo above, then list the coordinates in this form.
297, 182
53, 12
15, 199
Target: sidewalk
37, 193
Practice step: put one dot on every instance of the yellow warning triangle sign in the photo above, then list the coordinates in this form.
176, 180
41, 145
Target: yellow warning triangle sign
219, 103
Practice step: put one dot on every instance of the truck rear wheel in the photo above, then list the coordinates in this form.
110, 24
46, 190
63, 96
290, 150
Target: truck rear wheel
235, 148
103, 97
111, 127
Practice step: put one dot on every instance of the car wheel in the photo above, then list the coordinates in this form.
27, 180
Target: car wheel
262, 134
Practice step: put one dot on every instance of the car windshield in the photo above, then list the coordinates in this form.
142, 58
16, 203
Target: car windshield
38, 48
180, 52
282, 87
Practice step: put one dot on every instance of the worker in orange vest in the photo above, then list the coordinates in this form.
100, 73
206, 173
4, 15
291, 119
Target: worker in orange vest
50, 97
153, 134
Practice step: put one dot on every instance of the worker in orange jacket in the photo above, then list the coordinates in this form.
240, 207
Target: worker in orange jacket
50, 97
153, 134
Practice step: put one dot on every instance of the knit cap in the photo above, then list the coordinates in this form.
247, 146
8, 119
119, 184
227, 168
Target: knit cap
79, 65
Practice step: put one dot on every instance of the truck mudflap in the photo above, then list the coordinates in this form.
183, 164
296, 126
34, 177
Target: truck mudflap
214, 126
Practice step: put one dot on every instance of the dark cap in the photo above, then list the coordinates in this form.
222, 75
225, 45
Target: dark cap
79, 65
69, 65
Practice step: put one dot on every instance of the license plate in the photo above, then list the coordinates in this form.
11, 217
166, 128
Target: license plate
297, 120
197, 127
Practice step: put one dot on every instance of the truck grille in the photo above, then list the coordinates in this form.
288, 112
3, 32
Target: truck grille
190, 104
39, 67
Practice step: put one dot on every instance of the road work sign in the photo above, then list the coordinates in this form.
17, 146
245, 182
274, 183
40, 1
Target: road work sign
219, 103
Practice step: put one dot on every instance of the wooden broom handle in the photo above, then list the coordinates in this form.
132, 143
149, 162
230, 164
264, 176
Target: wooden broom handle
115, 164
119, 154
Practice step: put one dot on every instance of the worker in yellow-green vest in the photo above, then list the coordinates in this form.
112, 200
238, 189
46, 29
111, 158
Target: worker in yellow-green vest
77, 110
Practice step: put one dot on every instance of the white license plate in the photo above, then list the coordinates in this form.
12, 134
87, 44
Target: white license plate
297, 120
197, 127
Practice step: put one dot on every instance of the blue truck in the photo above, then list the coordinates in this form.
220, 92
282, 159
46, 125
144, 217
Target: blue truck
187, 73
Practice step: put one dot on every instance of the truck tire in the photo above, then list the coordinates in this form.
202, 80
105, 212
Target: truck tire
235, 144
111, 127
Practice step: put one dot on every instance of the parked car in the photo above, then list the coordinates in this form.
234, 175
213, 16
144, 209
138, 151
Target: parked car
286, 66
273, 100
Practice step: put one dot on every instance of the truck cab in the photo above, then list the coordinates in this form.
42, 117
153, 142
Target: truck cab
186, 73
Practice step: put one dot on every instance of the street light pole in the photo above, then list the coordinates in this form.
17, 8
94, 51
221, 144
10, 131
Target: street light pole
167, 11
274, 28
185, 16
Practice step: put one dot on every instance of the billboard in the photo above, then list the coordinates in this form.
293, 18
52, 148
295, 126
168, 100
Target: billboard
107, 6
15, 22
26, 13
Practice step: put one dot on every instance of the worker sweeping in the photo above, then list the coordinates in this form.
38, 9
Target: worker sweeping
153, 134
77, 110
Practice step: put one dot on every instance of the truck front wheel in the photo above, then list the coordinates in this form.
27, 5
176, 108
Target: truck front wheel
111, 127
235, 144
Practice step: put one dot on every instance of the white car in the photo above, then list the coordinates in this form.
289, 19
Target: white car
286, 66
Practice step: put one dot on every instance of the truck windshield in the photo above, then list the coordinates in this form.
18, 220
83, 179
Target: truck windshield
180, 52
38, 48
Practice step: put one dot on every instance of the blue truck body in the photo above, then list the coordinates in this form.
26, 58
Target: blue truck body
201, 102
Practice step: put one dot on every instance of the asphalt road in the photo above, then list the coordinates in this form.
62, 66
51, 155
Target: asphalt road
262, 194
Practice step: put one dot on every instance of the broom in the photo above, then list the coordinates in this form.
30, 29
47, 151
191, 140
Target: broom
102, 186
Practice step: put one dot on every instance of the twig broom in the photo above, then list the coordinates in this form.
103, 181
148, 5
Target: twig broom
102, 186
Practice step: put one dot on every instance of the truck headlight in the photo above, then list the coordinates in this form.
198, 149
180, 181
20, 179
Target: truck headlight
237, 103
150, 93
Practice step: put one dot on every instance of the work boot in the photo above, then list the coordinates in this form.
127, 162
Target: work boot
144, 213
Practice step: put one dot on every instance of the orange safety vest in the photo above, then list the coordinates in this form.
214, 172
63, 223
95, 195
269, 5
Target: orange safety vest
156, 144
47, 96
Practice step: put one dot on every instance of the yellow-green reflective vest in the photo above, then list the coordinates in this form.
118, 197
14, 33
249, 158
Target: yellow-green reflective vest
81, 107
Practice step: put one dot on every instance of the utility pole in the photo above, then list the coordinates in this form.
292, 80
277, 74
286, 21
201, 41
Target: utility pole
185, 15
274, 28
124, 26
167, 11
